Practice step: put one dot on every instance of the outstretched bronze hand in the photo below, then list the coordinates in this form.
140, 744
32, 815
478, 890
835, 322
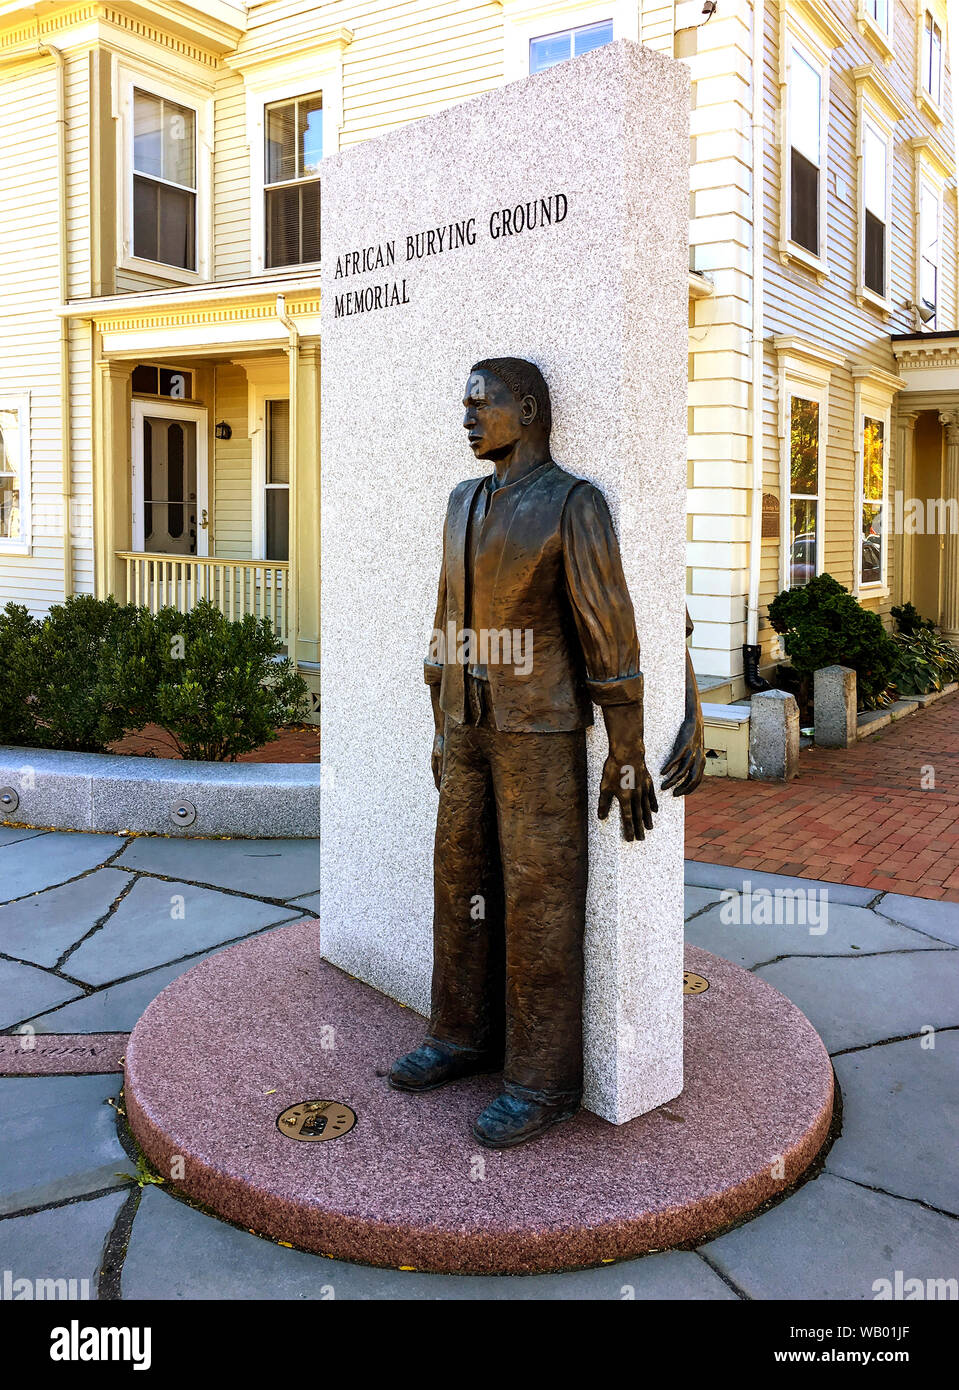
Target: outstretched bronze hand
625, 774
684, 770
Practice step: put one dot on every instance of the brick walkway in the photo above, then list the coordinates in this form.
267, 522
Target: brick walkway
299, 743
859, 816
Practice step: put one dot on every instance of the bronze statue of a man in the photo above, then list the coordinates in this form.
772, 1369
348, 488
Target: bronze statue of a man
533, 626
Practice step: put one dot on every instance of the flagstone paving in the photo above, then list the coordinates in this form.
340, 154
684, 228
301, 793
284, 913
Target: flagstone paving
883, 815
85, 952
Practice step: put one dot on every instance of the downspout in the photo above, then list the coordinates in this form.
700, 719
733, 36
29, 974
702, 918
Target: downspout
293, 351
751, 649
13, 56
66, 433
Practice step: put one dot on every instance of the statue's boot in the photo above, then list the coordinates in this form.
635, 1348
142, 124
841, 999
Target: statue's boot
433, 1064
508, 1120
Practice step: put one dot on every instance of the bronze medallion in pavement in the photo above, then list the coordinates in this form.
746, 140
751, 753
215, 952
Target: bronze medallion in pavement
312, 1120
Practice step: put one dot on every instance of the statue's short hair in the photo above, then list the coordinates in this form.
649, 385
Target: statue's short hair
523, 379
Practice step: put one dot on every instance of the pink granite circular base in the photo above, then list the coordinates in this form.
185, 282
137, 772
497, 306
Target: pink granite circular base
246, 1033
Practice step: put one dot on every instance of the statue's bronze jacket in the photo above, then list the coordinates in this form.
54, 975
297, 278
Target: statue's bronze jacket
547, 564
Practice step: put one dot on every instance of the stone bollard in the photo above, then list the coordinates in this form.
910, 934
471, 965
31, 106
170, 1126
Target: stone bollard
835, 700
773, 736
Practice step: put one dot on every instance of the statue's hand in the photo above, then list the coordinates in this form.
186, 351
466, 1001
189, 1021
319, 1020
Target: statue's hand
436, 759
626, 777
683, 772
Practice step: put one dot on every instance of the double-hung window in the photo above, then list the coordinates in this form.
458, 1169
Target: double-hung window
805, 448
804, 371
931, 58
550, 49
14, 473
808, 37
874, 393
930, 222
293, 132
872, 499
276, 500
164, 181
806, 150
875, 207
878, 110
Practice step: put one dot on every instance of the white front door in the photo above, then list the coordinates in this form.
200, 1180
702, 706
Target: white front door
170, 482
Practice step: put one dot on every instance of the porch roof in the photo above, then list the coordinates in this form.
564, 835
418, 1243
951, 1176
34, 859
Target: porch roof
217, 316
929, 364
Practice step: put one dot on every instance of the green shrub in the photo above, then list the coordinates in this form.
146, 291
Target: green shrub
17, 630
74, 706
822, 624
924, 662
217, 686
910, 620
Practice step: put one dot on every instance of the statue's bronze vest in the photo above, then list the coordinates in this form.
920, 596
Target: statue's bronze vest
519, 585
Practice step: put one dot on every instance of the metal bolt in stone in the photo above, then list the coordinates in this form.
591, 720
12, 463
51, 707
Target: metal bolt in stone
9, 799
183, 813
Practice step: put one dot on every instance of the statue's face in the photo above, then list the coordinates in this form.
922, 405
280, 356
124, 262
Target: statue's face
494, 418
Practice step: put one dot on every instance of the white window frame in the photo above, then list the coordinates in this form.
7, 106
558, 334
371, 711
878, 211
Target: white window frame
928, 177
19, 401
883, 38
804, 370
288, 183
811, 26
925, 100
874, 391
306, 76
878, 107
795, 388
523, 21
200, 102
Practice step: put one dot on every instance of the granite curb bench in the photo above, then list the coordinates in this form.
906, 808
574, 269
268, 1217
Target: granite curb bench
113, 792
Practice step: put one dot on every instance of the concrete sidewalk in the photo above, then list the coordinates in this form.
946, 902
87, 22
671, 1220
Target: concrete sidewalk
92, 927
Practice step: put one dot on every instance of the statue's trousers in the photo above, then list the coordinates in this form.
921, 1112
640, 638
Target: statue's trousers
510, 869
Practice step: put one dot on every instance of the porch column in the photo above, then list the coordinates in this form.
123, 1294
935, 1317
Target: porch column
949, 616
111, 477
306, 516
905, 480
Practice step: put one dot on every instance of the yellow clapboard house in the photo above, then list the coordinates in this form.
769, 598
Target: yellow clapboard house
160, 328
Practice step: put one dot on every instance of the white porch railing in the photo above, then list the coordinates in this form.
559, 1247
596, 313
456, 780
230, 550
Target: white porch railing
236, 587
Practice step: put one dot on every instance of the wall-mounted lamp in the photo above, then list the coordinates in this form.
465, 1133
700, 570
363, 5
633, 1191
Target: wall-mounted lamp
223, 430
924, 311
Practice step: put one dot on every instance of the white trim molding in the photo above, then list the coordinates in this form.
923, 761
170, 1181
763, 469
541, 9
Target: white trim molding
929, 363
18, 403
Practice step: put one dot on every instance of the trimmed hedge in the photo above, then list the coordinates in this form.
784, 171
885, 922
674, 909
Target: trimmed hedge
93, 670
